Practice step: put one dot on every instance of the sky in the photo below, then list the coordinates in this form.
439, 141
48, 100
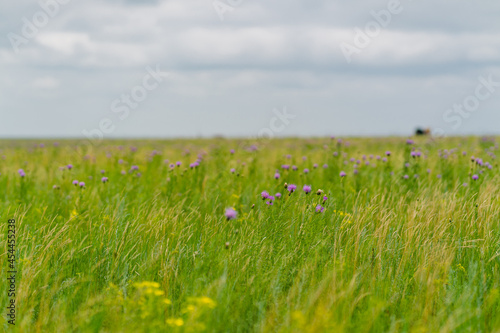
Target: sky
248, 68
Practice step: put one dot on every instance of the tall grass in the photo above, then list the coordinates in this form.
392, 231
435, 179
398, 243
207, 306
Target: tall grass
156, 253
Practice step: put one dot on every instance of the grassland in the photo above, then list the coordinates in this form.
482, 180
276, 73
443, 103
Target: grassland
410, 244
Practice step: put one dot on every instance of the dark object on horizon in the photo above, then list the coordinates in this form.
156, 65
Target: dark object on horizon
421, 131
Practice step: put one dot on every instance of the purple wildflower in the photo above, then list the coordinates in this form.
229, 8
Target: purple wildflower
307, 189
406, 177
69, 166
325, 198
21, 173
285, 166
342, 174
233, 170
278, 195
320, 209
388, 153
230, 214
82, 184
277, 175
75, 182
264, 195
306, 171
295, 168
178, 163
104, 179
325, 166
475, 177
291, 188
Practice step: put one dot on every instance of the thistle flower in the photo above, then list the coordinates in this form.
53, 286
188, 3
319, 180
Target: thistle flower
21, 173
104, 179
307, 189
264, 195
82, 184
388, 153
306, 171
230, 214
291, 188
319, 192
342, 174
75, 182
178, 163
320, 209
315, 165
277, 175
295, 168
69, 166
233, 170
325, 166
134, 167
475, 177
285, 167
231, 151
406, 177
278, 195
325, 198
410, 141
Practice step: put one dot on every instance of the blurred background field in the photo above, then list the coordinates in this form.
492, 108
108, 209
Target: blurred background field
407, 241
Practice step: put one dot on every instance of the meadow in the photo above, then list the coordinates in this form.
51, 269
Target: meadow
222, 235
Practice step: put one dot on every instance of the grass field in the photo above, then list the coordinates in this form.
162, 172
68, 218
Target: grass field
401, 243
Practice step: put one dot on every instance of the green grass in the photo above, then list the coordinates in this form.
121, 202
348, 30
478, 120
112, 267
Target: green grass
156, 253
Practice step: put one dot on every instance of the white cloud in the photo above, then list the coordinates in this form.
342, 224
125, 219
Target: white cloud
46, 82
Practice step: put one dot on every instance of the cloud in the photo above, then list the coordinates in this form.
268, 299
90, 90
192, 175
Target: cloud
46, 82
265, 54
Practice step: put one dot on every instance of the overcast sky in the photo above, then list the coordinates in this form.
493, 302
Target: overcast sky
76, 66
